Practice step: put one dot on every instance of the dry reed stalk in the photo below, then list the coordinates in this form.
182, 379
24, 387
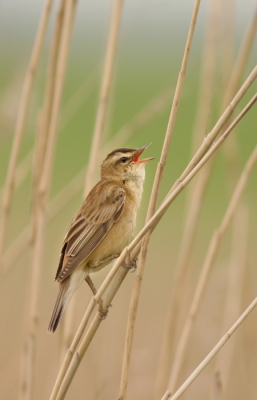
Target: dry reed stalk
45, 153
66, 194
131, 251
22, 172
208, 141
240, 63
80, 352
152, 222
227, 41
55, 206
235, 279
108, 71
206, 269
50, 90
67, 113
250, 329
209, 357
204, 106
192, 218
20, 124
104, 94
151, 110
231, 148
152, 205
208, 72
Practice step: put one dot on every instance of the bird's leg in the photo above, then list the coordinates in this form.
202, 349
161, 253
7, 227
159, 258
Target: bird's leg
131, 265
91, 284
103, 313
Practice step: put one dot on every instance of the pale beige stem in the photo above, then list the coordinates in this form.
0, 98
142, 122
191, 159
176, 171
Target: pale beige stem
205, 273
241, 60
208, 72
208, 141
227, 41
235, 279
104, 94
152, 205
21, 173
60, 73
153, 108
196, 198
97, 138
209, 61
42, 184
80, 352
133, 250
210, 356
231, 147
20, 125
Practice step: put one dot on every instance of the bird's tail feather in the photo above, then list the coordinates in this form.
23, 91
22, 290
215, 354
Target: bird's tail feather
67, 289
58, 307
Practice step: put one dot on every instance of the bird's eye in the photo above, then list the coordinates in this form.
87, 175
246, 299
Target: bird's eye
123, 159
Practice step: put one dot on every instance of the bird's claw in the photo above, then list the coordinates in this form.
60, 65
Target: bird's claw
132, 265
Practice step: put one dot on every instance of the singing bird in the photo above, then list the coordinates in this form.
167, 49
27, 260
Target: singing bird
103, 226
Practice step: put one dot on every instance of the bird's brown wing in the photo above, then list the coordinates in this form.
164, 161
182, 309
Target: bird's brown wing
102, 208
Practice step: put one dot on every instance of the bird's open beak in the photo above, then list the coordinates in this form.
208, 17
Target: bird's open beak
138, 154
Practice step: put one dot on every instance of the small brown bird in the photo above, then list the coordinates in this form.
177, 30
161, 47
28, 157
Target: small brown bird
103, 226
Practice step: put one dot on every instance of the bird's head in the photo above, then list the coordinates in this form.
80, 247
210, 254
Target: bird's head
125, 164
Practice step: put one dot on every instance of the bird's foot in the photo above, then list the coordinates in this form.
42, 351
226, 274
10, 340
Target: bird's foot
132, 265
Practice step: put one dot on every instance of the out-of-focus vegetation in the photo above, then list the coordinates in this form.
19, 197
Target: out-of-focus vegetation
148, 61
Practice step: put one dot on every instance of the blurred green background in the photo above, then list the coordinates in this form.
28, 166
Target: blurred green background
150, 50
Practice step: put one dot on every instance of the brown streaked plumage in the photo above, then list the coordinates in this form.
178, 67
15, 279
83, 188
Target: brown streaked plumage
103, 226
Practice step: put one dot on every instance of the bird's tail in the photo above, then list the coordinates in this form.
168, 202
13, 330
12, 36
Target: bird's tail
59, 306
67, 289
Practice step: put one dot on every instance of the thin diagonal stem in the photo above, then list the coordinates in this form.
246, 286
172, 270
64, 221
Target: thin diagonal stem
131, 250
104, 93
152, 205
206, 269
20, 125
209, 357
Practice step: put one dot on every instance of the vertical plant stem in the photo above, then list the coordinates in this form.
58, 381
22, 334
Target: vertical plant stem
104, 93
42, 184
208, 72
235, 279
196, 198
210, 356
157, 181
132, 250
20, 124
241, 60
205, 273
97, 137
80, 352
217, 129
205, 99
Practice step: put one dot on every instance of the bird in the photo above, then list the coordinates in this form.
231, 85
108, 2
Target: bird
103, 226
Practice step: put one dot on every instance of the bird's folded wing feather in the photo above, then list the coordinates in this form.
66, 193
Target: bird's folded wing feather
100, 211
